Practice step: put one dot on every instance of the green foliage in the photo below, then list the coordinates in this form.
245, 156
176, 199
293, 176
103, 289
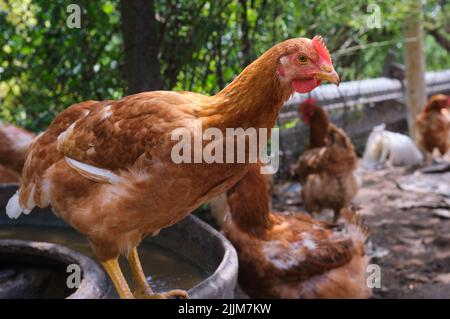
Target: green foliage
45, 66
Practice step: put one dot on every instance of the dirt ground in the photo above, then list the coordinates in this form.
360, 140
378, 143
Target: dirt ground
408, 214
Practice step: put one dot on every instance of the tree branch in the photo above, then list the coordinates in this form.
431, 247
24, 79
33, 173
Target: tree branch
440, 38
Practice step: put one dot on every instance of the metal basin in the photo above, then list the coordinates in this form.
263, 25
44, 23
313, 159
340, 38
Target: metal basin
39, 270
190, 255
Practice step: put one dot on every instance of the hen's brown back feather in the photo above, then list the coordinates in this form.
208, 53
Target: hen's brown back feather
43, 152
116, 133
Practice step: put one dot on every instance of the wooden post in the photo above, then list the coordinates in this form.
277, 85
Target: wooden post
415, 64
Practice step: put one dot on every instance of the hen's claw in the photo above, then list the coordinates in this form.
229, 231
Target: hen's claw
176, 293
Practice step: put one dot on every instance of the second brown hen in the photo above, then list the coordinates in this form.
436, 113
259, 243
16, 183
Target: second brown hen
286, 255
326, 168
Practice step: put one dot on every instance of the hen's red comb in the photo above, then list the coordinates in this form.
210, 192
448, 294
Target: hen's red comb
321, 48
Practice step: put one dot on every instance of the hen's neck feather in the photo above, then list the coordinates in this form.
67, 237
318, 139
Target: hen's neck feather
249, 203
318, 130
253, 99
432, 108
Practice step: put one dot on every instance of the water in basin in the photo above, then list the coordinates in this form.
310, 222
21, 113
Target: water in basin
164, 268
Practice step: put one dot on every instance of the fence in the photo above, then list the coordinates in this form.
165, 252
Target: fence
356, 107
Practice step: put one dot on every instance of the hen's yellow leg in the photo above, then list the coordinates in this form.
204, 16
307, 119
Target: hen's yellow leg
143, 289
142, 286
115, 273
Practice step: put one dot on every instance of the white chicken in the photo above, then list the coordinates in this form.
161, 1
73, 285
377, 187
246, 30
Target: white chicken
394, 149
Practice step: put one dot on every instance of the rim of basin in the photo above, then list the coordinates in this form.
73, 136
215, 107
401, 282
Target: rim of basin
93, 284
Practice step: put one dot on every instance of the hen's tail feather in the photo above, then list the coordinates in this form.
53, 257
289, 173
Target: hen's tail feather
93, 173
14, 209
355, 224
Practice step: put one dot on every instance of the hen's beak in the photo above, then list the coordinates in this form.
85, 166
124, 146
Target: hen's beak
328, 74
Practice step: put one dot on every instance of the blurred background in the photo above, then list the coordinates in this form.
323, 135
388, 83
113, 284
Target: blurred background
130, 46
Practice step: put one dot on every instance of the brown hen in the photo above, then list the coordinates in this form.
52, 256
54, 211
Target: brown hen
107, 168
326, 168
433, 126
285, 255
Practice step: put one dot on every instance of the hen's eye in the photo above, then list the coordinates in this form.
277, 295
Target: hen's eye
302, 59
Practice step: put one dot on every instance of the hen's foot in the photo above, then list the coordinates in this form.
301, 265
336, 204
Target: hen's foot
176, 293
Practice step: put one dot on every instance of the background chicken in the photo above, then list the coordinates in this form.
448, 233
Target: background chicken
8, 175
292, 255
326, 168
107, 168
433, 126
14, 144
384, 147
